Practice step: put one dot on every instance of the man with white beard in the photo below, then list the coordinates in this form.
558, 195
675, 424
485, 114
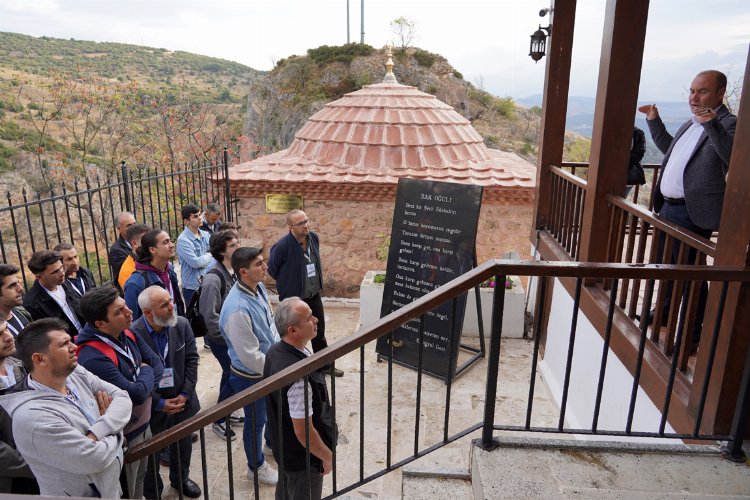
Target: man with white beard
171, 337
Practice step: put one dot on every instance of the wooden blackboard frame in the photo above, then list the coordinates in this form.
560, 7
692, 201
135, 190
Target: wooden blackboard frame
433, 240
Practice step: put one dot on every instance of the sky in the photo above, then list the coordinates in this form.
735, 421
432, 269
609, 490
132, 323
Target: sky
487, 41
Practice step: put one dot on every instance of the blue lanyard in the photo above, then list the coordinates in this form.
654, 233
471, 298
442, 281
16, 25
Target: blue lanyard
71, 397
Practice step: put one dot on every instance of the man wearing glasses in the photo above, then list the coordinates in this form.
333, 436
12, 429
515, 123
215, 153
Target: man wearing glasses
51, 296
294, 262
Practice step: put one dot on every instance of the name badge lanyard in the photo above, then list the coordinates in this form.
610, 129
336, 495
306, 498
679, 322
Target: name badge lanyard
72, 397
83, 286
125, 352
15, 331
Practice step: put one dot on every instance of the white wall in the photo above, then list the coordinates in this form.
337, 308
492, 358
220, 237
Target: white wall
584, 376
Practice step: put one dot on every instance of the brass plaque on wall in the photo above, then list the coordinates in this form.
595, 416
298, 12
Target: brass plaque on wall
283, 203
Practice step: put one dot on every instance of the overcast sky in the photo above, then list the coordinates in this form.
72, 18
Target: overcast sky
487, 41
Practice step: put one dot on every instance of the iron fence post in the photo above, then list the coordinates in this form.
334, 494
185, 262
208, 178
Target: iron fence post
126, 186
733, 450
493, 363
227, 200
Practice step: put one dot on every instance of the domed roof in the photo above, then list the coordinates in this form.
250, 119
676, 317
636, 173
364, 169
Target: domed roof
382, 132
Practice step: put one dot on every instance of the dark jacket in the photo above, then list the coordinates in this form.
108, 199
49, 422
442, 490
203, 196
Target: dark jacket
183, 358
137, 283
212, 298
280, 356
286, 264
118, 252
88, 280
41, 305
704, 178
637, 150
138, 381
12, 464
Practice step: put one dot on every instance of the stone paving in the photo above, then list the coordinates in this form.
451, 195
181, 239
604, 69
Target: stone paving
466, 408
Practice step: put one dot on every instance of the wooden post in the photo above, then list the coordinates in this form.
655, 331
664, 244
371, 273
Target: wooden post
554, 104
731, 250
614, 118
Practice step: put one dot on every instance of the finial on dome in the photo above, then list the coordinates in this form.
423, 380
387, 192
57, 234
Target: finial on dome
389, 76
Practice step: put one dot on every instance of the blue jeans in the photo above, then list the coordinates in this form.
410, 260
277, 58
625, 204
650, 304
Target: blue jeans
222, 356
249, 433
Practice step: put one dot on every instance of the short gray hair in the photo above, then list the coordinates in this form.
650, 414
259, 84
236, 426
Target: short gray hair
213, 208
291, 214
144, 299
285, 315
120, 216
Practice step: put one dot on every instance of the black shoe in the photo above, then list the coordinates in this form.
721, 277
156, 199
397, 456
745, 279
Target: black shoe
652, 315
164, 458
189, 488
194, 437
326, 370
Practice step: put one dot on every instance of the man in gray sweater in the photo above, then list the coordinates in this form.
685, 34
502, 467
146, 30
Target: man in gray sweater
68, 425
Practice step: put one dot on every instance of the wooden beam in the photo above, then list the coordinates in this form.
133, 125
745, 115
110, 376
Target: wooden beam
614, 117
732, 250
554, 104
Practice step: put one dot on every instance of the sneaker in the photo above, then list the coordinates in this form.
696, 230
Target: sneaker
266, 474
236, 421
267, 451
206, 346
221, 430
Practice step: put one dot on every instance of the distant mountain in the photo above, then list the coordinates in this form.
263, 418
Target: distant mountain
580, 118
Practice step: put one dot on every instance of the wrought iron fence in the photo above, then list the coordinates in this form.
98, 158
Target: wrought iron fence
83, 213
390, 419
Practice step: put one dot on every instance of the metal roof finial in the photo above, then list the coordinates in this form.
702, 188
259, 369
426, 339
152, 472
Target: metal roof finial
389, 76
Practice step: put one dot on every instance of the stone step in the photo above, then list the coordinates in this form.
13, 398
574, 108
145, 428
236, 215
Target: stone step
431, 484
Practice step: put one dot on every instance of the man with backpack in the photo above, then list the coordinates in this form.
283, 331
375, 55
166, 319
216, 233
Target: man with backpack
109, 350
216, 285
153, 267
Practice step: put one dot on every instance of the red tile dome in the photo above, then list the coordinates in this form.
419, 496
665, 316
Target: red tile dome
382, 132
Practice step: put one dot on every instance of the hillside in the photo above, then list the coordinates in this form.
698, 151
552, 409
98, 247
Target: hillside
75, 103
282, 100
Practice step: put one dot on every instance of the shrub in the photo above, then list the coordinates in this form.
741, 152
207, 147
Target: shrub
343, 53
458, 74
424, 58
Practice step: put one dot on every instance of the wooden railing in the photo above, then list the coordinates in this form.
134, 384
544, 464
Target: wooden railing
640, 195
566, 209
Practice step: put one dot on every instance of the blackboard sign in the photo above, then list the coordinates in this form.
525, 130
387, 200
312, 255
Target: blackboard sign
432, 242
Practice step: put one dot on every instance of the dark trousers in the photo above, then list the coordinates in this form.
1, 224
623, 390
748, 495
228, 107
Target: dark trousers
161, 422
221, 354
297, 486
678, 214
316, 304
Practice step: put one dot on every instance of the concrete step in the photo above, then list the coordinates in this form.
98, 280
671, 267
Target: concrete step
421, 484
540, 468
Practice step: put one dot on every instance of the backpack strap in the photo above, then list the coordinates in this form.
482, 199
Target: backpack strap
130, 335
103, 348
222, 279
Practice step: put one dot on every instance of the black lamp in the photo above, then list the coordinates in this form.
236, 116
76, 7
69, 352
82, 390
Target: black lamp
539, 39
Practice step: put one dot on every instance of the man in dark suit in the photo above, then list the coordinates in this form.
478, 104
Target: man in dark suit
120, 249
171, 337
50, 296
690, 188
80, 279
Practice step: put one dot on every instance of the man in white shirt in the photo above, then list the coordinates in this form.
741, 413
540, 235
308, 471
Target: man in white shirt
690, 189
51, 296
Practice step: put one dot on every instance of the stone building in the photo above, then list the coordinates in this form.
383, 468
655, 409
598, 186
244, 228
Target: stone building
346, 161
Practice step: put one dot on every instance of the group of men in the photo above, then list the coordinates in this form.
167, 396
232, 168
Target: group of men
86, 369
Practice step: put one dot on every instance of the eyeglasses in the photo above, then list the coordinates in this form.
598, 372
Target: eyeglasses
301, 223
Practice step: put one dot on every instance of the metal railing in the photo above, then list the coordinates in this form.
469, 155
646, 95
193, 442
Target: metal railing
83, 214
404, 413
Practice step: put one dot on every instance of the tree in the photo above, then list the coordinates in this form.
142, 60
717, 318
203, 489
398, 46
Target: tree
405, 30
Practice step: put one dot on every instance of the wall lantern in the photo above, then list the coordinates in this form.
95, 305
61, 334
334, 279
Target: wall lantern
539, 39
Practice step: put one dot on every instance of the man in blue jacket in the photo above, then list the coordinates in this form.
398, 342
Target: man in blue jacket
192, 251
294, 262
246, 323
109, 350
